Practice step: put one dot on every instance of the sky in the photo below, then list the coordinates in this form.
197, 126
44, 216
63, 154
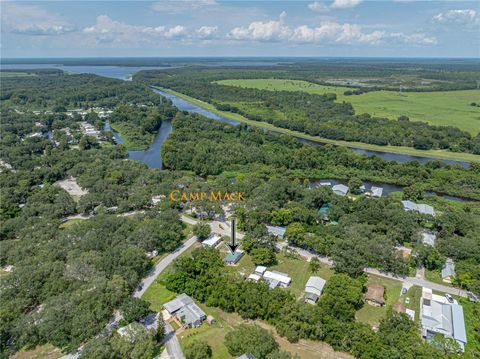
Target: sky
204, 28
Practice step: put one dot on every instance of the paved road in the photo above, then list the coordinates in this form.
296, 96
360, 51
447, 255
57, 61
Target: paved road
172, 343
408, 281
160, 267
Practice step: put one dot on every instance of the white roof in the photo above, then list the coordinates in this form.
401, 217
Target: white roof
281, 277
260, 269
326, 184
254, 277
410, 313
448, 269
276, 231
376, 191
425, 209
409, 205
428, 237
340, 189
315, 285
212, 241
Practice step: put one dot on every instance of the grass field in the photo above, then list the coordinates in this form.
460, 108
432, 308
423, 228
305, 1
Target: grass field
4, 74
443, 108
389, 149
372, 315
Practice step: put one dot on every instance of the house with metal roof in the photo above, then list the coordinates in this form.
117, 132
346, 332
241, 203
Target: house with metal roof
233, 258
439, 316
420, 208
184, 309
276, 231
376, 191
313, 289
246, 356
340, 189
448, 270
428, 237
260, 270
275, 279
212, 241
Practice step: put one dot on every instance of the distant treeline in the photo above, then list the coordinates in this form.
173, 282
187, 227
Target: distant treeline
316, 115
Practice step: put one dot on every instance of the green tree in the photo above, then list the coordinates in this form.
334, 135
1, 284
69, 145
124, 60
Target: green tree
412, 193
197, 350
250, 339
202, 230
314, 264
354, 184
263, 256
134, 309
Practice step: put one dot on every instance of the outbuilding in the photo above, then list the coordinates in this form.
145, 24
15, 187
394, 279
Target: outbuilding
374, 295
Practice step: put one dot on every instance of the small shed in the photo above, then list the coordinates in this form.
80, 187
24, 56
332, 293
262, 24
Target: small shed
260, 270
374, 295
276, 231
210, 319
448, 270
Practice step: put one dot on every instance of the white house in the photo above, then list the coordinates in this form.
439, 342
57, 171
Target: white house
276, 231
313, 289
420, 208
212, 241
276, 279
428, 237
260, 270
439, 316
340, 189
448, 270
376, 191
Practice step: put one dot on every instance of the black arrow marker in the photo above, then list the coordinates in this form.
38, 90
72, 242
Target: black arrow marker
233, 245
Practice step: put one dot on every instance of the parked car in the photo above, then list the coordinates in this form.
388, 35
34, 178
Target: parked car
472, 297
404, 290
449, 298
407, 300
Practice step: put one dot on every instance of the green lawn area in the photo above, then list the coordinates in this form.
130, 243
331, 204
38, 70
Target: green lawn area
297, 269
443, 108
471, 313
16, 74
70, 223
157, 294
372, 315
46, 351
389, 149
414, 293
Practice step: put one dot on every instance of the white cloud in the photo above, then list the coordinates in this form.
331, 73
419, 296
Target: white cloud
181, 6
32, 20
107, 30
414, 39
328, 32
206, 32
465, 17
345, 4
318, 6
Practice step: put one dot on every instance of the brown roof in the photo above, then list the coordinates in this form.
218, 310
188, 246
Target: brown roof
399, 308
375, 293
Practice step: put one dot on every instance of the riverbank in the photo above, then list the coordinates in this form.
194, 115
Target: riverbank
433, 154
129, 141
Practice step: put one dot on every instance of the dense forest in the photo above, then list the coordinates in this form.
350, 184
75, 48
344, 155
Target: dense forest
316, 115
67, 276
203, 276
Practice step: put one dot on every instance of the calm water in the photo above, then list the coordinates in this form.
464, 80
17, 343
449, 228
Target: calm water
116, 72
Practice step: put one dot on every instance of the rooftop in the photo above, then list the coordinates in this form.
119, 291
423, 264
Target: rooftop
315, 285
375, 293
340, 189
276, 231
233, 258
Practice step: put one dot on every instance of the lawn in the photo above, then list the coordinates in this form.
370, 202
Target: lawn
444, 154
414, 293
16, 74
157, 294
46, 351
215, 334
471, 311
297, 269
443, 108
372, 315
